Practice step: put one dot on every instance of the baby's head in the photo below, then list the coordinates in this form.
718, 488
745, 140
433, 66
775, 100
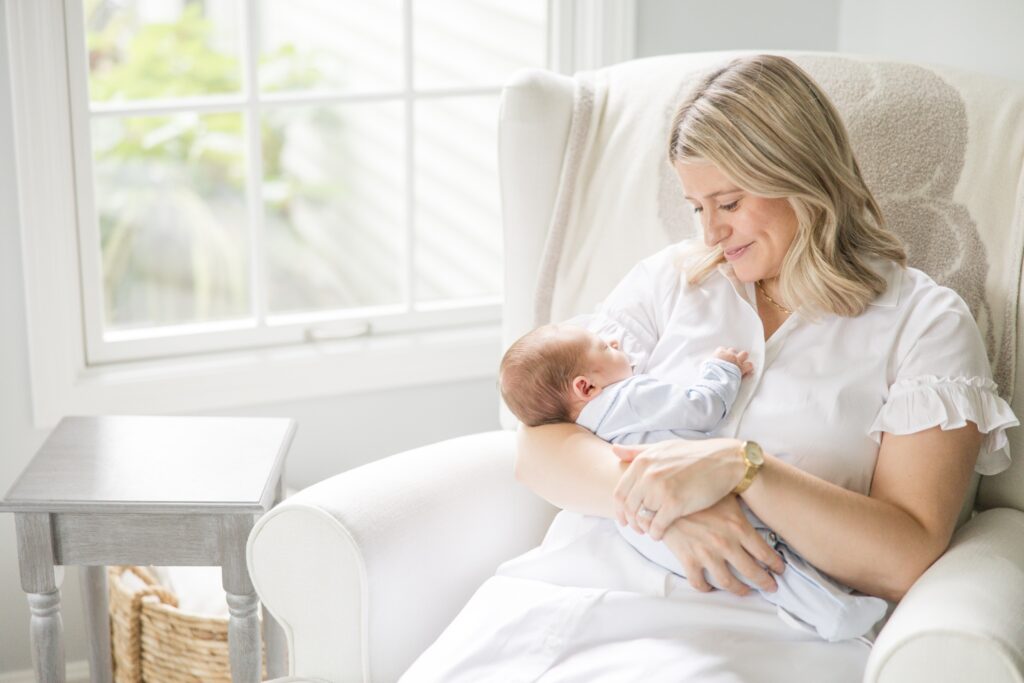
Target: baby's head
549, 374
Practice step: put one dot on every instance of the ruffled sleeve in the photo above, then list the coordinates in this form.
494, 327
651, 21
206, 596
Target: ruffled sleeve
944, 379
920, 403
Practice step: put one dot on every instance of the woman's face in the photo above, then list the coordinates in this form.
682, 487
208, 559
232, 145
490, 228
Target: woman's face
754, 232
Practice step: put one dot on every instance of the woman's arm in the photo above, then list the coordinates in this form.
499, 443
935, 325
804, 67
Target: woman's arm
569, 467
879, 544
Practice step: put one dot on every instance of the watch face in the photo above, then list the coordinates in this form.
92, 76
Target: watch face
754, 454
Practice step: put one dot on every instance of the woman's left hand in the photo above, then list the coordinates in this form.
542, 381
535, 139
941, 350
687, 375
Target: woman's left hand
674, 478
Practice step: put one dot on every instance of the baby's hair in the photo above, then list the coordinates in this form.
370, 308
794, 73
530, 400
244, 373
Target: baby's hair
536, 374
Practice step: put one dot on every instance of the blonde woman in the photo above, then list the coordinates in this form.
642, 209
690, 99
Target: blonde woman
855, 438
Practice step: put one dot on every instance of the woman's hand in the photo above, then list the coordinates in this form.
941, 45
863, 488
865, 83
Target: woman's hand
674, 478
720, 536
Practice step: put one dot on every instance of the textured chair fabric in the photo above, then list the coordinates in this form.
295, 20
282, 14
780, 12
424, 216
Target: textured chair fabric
365, 569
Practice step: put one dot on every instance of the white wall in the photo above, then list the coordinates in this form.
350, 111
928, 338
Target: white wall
982, 35
669, 26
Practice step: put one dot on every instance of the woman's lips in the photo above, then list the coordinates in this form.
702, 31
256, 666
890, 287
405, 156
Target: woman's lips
733, 254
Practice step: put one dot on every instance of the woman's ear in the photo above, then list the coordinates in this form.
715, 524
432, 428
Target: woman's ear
582, 388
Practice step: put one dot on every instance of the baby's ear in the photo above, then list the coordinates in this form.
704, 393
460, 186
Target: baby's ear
582, 388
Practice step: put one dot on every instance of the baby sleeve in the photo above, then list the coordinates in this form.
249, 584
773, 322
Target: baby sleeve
943, 379
634, 310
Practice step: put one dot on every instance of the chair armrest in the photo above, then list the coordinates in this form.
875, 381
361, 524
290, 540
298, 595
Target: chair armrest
962, 620
365, 569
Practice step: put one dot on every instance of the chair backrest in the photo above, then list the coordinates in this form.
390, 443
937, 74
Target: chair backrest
587, 190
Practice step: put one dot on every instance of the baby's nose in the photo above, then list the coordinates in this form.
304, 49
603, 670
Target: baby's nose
614, 343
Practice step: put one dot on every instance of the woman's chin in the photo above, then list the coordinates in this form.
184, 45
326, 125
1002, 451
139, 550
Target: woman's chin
745, 273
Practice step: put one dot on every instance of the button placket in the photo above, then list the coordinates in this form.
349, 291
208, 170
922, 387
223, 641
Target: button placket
765, 354
762, 353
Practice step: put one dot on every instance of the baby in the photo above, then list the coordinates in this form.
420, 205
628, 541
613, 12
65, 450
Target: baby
563, 373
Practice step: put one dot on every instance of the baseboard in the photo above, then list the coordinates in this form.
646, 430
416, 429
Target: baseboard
76, 672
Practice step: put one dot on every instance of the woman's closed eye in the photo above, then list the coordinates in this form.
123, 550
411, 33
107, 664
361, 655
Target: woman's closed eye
731, 206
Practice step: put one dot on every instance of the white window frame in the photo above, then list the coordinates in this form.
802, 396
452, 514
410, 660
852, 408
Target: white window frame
331, 357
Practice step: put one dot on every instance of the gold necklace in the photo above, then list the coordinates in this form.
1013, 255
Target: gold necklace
773, 302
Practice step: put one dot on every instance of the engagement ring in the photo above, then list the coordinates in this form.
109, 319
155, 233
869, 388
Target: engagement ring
646, 512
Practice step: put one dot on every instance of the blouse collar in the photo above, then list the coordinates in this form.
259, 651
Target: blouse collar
893, 274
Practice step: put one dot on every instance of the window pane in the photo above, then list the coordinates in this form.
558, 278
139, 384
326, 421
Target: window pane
347, 45
458, 224
476, 42
334, 193
172, 217
156, 49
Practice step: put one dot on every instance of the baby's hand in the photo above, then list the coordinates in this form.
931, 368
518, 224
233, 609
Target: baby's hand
737, 358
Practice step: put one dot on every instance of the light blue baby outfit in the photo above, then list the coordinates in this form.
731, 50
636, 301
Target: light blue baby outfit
643, 409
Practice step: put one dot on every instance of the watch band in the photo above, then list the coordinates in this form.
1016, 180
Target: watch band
753, 458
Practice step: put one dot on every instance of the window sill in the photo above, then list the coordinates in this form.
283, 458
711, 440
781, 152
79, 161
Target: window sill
195, 384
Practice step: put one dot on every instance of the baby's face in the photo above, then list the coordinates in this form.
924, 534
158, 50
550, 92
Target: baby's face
605, 361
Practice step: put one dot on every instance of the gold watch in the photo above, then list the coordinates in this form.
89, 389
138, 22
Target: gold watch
753, 458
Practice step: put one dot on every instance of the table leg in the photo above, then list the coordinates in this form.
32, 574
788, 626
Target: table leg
244, 638
47, 637
245, 647
93, 581
39, 579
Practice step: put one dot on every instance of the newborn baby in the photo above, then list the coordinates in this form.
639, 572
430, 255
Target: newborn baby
563, 373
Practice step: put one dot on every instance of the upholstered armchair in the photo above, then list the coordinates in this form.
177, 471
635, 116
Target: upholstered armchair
363, 570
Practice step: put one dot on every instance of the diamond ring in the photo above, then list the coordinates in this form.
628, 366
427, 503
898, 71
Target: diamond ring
646, 511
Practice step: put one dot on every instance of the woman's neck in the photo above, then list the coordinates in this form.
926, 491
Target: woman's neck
771, 311
768, 291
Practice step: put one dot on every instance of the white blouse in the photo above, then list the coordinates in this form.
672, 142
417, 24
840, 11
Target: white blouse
823, 391
584, 606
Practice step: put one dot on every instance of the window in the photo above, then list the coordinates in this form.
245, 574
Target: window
275, 171
234, 201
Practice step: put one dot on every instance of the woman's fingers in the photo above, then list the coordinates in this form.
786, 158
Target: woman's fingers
636, 502
718, 540
649, 511
754, 572
626, 496
674, 478
695, 574
660, 522
724, 577
636, 491
755, 546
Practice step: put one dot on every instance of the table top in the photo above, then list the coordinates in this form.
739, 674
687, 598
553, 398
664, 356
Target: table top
155, 464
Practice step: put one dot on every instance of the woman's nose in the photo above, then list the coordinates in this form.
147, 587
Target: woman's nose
715, 229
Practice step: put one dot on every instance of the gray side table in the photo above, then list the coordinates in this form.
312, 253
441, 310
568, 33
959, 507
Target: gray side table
179, 491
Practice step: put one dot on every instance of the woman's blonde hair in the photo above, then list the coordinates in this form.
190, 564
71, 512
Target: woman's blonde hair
771, 130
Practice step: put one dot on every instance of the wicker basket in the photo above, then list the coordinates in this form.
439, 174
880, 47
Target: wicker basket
155, 642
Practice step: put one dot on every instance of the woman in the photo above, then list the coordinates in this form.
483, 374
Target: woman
871, 401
